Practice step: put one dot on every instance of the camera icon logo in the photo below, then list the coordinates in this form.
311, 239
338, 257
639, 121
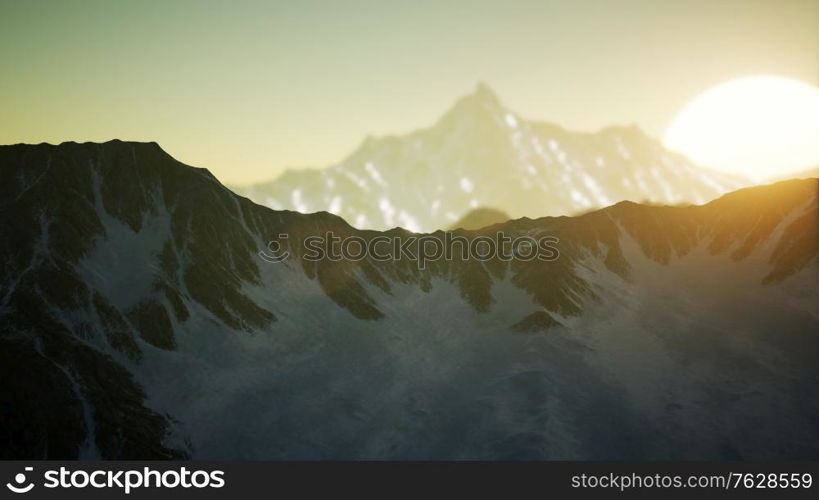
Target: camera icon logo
19, 479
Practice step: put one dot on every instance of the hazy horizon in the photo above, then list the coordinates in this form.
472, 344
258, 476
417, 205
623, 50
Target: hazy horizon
249, 89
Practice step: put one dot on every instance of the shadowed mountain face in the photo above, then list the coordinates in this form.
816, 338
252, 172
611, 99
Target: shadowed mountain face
137, 320
480, 154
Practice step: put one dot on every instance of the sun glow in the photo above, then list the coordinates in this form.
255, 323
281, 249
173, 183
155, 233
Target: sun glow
761, 127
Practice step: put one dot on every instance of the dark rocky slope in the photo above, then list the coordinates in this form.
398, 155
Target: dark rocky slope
115, 253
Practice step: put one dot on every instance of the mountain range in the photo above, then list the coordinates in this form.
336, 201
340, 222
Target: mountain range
481, 154
138, 321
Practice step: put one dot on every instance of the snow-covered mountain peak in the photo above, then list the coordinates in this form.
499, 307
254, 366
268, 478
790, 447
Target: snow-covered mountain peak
481, 103
482, 154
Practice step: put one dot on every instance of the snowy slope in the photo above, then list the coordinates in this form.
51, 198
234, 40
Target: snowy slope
147, 326
480, 154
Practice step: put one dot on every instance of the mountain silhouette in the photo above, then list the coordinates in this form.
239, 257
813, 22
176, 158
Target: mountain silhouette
137, 321
480, 217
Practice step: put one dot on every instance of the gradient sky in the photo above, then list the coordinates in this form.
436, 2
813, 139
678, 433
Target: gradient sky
249, 88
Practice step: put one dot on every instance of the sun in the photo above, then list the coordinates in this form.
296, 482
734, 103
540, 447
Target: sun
761, 127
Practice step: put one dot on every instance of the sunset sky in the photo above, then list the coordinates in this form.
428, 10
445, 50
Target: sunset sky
249, 88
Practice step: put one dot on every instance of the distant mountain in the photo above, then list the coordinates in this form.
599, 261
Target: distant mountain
137, 320
480, 217
804, 174
480, 154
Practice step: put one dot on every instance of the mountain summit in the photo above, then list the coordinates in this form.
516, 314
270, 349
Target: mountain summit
481, 154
